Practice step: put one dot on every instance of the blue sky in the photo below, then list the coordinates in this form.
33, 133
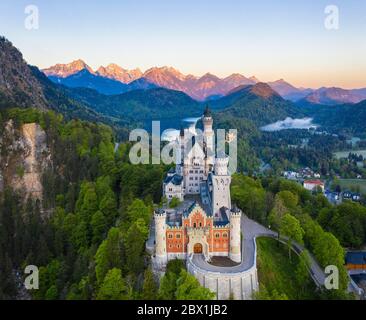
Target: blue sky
269, 39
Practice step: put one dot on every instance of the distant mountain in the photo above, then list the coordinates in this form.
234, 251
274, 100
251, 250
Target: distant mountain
25, 86
258, 103
141, 83
288, 91
166, 77
115, 72
79, 74
66, 70
114, 79
334, 96
86, 79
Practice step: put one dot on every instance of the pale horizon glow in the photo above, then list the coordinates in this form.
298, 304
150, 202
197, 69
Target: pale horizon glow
267, 39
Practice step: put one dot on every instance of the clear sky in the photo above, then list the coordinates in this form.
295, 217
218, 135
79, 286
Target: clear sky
266, 38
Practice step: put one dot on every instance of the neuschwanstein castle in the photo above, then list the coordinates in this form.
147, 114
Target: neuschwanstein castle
204, 222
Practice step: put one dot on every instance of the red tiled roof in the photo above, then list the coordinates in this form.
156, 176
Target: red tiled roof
317, 182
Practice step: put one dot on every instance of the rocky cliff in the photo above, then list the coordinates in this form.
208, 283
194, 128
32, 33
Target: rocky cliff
24, 157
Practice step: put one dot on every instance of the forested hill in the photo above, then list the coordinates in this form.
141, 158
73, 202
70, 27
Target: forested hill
86, 224
25, 86
345, 118
258, 103
140, 105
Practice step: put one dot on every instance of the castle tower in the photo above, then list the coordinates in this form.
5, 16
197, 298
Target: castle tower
221, 185
235, 236
208, 137
160, 237
221, 165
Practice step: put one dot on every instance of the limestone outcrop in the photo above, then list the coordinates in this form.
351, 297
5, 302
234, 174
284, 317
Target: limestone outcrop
24, 156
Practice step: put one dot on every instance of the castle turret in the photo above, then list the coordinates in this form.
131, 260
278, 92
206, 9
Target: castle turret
160, 237
208, 137
221, 185
221, 165
235, 236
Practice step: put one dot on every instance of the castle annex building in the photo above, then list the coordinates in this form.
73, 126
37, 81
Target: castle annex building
204, 222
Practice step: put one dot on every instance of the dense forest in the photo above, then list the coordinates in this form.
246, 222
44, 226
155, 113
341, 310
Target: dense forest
306, 218
88, 232
87, 235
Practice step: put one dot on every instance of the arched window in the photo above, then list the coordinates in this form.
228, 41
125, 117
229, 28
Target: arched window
170, 235
224, 235
217, 235
178, 236
194, 225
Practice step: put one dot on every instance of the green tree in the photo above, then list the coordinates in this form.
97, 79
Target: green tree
168, 286
302, 270
149, 289
264, 294
51, 293
109, 254
188, 288
135, 244
291, 228
138, 210
113, 286
99, 225
174, 202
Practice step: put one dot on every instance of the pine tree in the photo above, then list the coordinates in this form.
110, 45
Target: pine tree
149, 290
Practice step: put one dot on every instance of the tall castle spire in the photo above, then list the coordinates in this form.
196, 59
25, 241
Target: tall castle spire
207, 112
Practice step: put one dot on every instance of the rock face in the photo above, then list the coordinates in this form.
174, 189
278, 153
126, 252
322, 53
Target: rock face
18, 86
65, 70
113, 71
25, 159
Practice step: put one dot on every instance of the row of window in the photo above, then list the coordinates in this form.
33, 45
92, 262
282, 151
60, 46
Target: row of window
195, 178
195, 171
172, 246
217, 245
178, 235
170, 236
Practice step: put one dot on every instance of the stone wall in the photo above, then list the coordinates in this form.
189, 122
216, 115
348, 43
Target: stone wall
226, 285
239, 285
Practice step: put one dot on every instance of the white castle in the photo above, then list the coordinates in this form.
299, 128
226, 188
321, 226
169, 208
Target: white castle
205, 221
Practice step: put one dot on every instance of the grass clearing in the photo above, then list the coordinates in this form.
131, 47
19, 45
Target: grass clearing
277, 272
344, 154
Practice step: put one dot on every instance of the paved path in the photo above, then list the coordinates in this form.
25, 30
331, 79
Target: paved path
252, 230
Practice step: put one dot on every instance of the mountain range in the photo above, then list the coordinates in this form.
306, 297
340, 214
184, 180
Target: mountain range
22, 85
25, 86
334, 96
113, 79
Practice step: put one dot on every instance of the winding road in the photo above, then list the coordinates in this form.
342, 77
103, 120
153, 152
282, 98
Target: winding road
252, 230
